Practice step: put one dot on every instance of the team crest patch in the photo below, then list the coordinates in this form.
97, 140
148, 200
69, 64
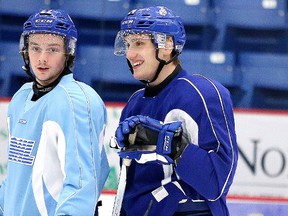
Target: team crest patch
20, 151
163, 11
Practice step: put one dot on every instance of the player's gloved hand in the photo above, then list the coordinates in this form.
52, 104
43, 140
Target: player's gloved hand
126, 130
148, 140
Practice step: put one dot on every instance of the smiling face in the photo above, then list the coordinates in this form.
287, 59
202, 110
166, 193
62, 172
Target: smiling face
47, 57
141, 53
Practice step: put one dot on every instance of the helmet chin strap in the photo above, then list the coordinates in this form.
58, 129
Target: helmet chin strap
162, 63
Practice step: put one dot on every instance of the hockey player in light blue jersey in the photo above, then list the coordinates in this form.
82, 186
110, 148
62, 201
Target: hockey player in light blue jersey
176, 136
57, 164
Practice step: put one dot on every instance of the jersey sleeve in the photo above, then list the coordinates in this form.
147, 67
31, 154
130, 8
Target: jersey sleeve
80, 120
209, 162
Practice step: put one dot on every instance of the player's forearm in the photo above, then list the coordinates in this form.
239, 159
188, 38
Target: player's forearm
205, 172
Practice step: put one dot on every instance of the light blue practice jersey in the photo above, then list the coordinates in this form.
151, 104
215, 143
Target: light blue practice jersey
56, 162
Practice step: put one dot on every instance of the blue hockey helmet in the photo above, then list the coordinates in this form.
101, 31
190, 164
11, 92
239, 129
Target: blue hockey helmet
50, 22
158, 22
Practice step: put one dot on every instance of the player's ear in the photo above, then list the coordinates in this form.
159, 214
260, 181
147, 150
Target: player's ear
25, 56
169, 46
70, 60
167, 52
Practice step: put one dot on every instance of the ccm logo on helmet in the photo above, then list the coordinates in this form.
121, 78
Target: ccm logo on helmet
127, 22
43, 21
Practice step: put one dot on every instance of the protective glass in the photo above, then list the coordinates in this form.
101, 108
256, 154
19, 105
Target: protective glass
130, 40
69, 48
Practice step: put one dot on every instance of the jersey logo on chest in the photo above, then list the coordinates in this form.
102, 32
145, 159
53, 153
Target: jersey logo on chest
20, 151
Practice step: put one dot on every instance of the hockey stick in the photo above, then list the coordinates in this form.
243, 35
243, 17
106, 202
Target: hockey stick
121, 187
122, 179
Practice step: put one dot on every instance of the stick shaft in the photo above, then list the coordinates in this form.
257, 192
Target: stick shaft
121, 187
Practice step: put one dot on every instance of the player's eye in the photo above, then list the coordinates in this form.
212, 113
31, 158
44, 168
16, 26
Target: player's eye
53, 50
35, 49
138, 43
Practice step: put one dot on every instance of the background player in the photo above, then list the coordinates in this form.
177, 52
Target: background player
56, 164
178, 130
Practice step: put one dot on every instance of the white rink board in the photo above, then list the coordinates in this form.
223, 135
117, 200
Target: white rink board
263, 164
3, 138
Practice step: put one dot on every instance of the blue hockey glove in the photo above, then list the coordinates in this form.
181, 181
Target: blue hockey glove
126, 129
145, 139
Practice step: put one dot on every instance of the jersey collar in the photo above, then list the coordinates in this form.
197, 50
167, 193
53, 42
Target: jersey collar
152, 91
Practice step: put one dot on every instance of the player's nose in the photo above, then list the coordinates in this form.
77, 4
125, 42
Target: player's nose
130, 54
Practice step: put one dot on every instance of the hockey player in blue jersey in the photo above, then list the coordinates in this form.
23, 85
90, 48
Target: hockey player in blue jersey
56, 161
176, 136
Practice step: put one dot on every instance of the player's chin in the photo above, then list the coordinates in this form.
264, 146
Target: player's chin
44, 80
138, 75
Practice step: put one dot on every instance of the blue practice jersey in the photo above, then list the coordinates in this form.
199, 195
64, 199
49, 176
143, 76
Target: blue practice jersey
56, 162
207, 167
